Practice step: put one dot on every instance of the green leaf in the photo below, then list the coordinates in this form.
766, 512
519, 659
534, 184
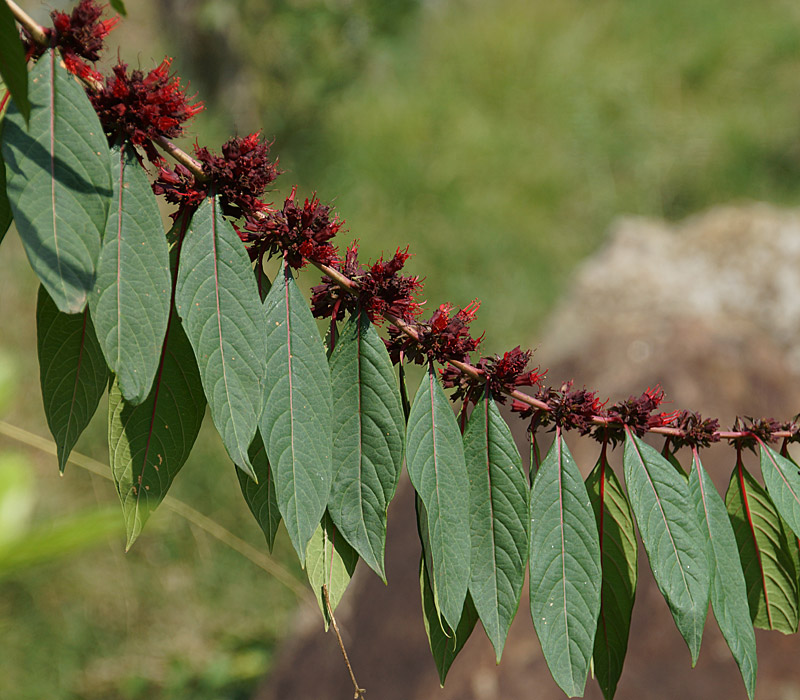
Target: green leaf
728, 587
59, 182
671, 535
330, 561
445, 645
130, 302
782, 479
436, 466
261, 497
217, 300
6, 217
368, 432
119, 6
72, 372
13, 68
498, 490
769, 570
150, 442
296, 423
619, 555
565, 568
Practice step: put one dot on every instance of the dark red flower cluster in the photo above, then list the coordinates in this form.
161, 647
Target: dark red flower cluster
441, 338
697, 432
756, 429
570, 409
239, 176
79, 36
381, 289
635, 412
298, 233
502, 375
141, 107
328, 299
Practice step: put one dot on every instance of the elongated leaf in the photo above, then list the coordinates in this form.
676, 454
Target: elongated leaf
436, 466
261, 497
498, 492
728, 587
6, 217
13, 69
59, 182
330, 561
296, 423
565, 568
130, 302
671, 535
445, 644
782, 479
368, 432
619, 555
217, 300
150, 442
119, 6
72, 372
769, 570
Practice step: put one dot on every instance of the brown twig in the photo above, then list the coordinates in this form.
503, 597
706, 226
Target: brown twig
359, 692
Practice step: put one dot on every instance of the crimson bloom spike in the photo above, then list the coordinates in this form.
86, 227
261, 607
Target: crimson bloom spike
80, 37
141, 108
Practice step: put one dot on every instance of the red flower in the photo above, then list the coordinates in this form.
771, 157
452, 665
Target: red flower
696, 431
502, 374
328, 298
635, 412
141, 107
239, 176
299, 233
79, 36
446, 337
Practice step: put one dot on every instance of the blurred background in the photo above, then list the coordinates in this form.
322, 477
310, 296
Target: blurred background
498, 140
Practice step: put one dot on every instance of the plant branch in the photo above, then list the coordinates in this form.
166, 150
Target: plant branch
413, 331
195, 517
34, 28
39, 35
359, 692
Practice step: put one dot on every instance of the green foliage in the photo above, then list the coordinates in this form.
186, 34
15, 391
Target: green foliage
333, 429
498, 505
619, 554
131, 297
58, 183
671, 535
259, 493
565, 568
72, 372
13, 70
6, 216
728, 587
436, 467
296, 423
445, 644
217, 300
330, 562
764, 549
149, 442
782, 479
368, 432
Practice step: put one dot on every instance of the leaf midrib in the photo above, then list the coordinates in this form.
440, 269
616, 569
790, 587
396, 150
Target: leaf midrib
663, 515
